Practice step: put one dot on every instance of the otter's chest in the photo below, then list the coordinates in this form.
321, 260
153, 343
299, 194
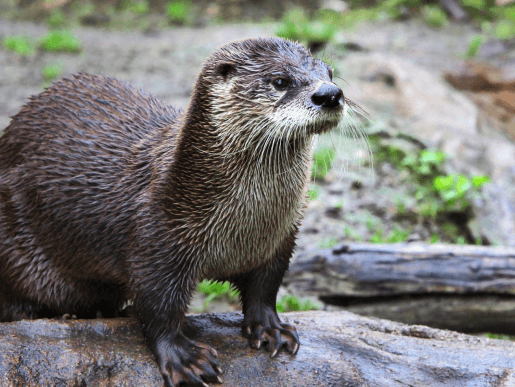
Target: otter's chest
259, 213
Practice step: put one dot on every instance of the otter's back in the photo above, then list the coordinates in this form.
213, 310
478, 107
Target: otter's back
67, 185
97, 115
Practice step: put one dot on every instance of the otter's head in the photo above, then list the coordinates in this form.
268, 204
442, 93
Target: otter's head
268, 87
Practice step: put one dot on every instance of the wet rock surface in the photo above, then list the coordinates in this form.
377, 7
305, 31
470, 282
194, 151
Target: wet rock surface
337, 349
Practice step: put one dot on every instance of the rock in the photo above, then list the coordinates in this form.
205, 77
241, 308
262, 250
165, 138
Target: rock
337, 349
418, 102
480, 77
339, 6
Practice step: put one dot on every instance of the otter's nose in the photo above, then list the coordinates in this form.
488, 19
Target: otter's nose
328, 96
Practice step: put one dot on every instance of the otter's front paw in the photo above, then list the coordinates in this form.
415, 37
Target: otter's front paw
272, 331
182, 360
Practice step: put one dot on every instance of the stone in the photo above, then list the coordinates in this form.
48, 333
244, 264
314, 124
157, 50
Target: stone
337, 349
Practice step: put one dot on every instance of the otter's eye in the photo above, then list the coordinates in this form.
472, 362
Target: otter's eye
281, 83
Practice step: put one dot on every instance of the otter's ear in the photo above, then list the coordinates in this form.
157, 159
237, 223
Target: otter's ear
225, 70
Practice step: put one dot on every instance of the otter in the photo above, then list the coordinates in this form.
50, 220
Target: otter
108, 194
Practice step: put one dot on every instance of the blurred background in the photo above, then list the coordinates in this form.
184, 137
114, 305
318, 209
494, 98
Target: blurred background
429, 157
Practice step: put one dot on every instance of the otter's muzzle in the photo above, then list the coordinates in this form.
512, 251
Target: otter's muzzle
328, 96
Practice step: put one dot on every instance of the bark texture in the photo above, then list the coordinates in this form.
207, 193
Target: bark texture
463, 288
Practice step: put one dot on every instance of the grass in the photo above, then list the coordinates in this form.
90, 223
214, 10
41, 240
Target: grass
138, 7
289, 303
505, 29
397, 235
322, 163
350, 235
56, 19
327, 243
499, 337
178, 11
216, 290
60, 41
20, 45
313, 193
434, 239
52, 71
477, 4
474, 46
295, 25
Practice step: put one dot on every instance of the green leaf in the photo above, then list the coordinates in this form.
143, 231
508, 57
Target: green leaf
433, 157
463, 184
441, 183
478, 181
20, 45
62, 40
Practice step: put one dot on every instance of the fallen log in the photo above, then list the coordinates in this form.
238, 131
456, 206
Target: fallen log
463, 288
337, 349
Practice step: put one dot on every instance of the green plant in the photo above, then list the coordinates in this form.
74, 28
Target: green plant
322, 163
455, 190
377, 237
327, 243
140, 7
439, 197
20, 45
289, 303
424, 163
178, 11
56, 19
292, 24
295, 25
52, 71
400, 206
372, 222
216, 290
349, 234
355, 16
387, 153
434, 15
499, 337
451, 230
393, 7
398, 235
477, 4
313, 193
83, 8
505, 29
434, 239
474, 46
506, 12
62, 40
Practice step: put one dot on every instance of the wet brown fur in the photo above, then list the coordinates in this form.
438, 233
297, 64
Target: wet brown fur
107, 194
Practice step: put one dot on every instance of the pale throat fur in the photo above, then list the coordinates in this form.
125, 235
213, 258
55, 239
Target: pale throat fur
265, 199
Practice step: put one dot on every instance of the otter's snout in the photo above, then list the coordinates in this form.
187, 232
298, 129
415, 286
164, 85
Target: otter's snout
328, 96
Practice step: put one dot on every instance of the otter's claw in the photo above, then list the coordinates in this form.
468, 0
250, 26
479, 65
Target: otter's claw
182, 360
276, 336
